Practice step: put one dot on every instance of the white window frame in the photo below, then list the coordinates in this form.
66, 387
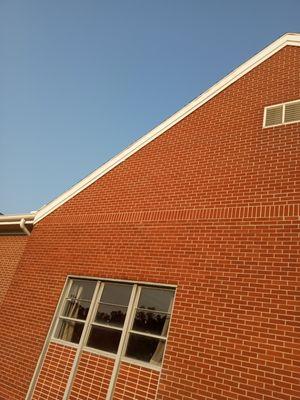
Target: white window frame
89, 322
283, 114
150, 335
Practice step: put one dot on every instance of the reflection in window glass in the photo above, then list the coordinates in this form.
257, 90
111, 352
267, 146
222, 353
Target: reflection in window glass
151, 322
69, 330
104, 339
156, 299
111, 311
145, 348
111, 315
115, 293
82, 289
101, 314
76, 309
152, 317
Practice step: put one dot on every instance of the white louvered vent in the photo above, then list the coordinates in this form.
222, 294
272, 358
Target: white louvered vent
274, 116
285, 113
292, 112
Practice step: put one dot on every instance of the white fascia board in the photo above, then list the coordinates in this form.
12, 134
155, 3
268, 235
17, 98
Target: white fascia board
289, 39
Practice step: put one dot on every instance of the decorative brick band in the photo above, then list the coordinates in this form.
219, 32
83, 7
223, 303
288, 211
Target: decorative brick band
246, 212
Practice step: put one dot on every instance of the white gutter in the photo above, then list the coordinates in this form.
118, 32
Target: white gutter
23, 227
19, 221
17, 217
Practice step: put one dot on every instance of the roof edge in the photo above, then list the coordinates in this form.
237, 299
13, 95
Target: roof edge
288, 39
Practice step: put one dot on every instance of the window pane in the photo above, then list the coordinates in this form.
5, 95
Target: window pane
156, 299
76, 309
116, 293
111, 315
69, 330
151, 322
104, 339
82, 289
145, 348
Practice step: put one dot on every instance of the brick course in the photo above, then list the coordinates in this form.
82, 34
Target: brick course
212, 206
136, 383
92, 377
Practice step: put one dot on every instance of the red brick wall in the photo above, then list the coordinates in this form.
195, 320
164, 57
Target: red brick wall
136, 383
92, 377
55, 372
11, 249
211, 206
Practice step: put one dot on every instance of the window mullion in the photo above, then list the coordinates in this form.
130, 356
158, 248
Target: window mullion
112, 304
72, 319
107, 326
94, 311
132, 316
153, 311
93, 303
148, 334
123, 340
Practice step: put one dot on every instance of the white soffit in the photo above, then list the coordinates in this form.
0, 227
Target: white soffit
289, 39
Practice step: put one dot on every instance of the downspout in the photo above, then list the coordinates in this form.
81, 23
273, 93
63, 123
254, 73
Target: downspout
23, 227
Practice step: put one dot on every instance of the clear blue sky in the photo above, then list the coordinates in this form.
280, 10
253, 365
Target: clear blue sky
82, 79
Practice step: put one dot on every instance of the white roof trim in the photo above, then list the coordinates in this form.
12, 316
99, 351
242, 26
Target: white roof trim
16, 218
292, 39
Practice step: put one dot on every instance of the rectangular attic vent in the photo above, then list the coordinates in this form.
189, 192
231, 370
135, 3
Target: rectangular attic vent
280, 114
292, 112
273, 116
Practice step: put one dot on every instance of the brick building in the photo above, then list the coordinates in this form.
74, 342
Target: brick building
171, 271
14, 232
